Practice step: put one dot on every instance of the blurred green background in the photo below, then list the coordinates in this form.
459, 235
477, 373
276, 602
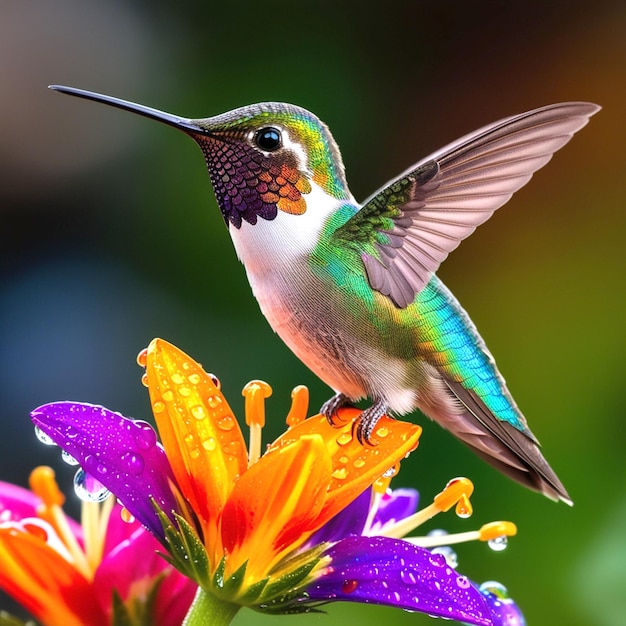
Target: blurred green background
110, 236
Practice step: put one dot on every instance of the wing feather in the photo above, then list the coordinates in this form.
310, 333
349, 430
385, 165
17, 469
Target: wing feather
408, 228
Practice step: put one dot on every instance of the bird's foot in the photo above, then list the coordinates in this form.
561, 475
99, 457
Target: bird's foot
367, 421
330, 407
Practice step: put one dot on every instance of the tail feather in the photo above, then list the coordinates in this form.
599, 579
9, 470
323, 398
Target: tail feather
514, 452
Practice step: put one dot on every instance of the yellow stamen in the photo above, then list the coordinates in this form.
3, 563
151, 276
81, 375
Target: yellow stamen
95, 520
299, 406
490, 531
44, 485
457, 491
255, 393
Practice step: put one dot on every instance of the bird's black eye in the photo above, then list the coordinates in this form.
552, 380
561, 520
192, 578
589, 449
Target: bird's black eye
268, 139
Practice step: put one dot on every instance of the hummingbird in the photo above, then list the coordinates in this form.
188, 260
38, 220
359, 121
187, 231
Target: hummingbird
351, 287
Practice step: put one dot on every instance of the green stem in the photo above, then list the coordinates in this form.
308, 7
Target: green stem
207, 610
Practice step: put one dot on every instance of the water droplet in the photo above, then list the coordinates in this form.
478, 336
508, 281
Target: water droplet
144, 380
392, 471
495, 588
88, 488
209, 444
340, 473
497, 544
184, 391
464, 508
168, 395
195, 453
344, 438
438, 560
145, 437
226, 423
158, 407
177, 378
43, 437
463, 582
142, 358
343, 459
68, 458
408, 577
214, 401
215, 380
349, 586
382, 432
133, 461
451, 557
189, 439
198, 412
358, 463
232, 447
194, 379
127, 516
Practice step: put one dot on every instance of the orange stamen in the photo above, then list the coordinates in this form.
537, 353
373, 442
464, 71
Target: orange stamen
43, 484
299, 406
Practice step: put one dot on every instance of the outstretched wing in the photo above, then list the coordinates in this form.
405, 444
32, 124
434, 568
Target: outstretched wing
411, 225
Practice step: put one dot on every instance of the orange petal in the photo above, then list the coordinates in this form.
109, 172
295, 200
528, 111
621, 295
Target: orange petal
47, 585
274, 503
355, 466
200, 435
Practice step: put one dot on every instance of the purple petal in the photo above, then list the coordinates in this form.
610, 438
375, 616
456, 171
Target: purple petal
395, 506
505, 611
349, 521
120, 453
392, 572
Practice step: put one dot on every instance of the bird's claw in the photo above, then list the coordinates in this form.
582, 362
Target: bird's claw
364, 426
330, 407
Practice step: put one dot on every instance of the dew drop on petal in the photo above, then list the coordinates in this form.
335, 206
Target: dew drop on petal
88, 488
343, 459
349, 586
209, 444
177, 378
144, 380
126, 515
358, 463
408, 577
225, 423
495, 588
158, 407
198, 412
142, 358
184, 391
168, 395
451, 557
194, 379
214, 401
43, 437
344, 439
189, 439
382, 432
232, 448
340, 473
392, 471
215, 380
497, 544
195, 453
438, 560
68, 458
145, 437
463, 582
134, 462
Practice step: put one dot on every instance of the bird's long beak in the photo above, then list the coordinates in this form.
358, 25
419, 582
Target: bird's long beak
184, 124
